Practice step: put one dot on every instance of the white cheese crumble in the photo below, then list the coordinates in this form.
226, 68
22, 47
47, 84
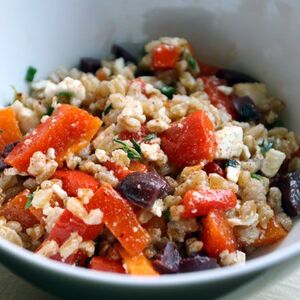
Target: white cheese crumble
229, 142
272, 162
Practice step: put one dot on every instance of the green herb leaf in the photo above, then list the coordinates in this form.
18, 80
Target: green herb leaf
168, 91
133, 153
30, 73
149, 137
49, 112
267, 145
191, 62
168, 215
136, 146
29, 200
64, 97
256, 176
107, 110
232, 163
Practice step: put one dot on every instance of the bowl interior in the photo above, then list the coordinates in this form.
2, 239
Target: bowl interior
258, 37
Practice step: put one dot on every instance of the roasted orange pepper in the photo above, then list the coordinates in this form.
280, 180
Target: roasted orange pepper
120, 219
217, 235
9, 128
68, 130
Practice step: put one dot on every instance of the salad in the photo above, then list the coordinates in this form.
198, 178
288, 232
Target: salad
154, 166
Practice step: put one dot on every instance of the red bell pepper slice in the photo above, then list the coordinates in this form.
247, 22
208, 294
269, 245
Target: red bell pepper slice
218, 98
73, 180
9, 128
15, 210
165, 57
104, 264
68, 130
120, 219
190, 140
138, 135
68, 223
119, 172
217, 235
198, 203
78, 258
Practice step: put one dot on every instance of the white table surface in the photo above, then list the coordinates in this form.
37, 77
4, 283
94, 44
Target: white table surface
14, 288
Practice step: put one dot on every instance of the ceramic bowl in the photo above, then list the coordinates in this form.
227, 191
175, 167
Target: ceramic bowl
258, 37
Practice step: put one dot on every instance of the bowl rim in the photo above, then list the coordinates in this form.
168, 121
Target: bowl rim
276, 257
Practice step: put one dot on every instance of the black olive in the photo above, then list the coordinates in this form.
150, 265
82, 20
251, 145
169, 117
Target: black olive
169, 261
143, 72
197, 263
232, 77
8, 148
143, 189
119, 51
246, 109
3, 165
89, 65
289, 184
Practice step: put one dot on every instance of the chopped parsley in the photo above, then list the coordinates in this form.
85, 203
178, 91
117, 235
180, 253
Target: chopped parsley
168, 91
168, 215
29, 200
133, 153
232, 163
267, 145
64, 97
256, 176
107, 110
49, 112
192, 63
149, 137
30, 73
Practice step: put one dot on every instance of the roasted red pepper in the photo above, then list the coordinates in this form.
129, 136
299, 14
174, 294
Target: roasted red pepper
9, 128
217, 235
165, 57
120, 219
73, 180
138, 135
15, 210
68, 130
190, 140
218, 98
68, 223
198, 203
119, 172
78, 258
104, 264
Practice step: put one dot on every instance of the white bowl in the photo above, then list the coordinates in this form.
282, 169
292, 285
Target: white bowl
258, 37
